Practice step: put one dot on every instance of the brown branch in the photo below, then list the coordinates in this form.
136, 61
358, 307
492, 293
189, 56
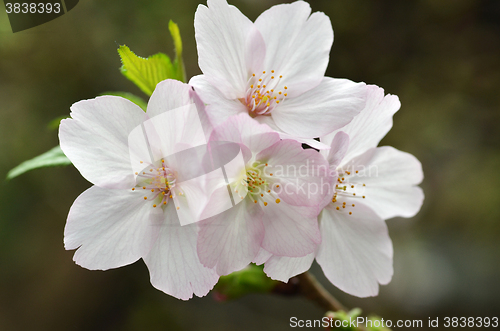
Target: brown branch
310, 288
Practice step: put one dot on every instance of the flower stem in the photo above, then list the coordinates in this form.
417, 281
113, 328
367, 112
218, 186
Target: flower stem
310, 288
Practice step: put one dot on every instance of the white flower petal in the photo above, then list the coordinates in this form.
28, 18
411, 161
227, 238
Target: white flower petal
221, 38
218, 107
356, 251
242, 129
174, 122
297, 45
173, 264
283, 268
390, 176
371, 125
112, 228
95, 139
231, 240
290, 230
328, 107
168, 95
262, 256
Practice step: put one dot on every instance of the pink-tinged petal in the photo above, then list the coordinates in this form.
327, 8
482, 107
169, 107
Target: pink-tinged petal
297, 45
262, 256
255, 50
371, 125
283, 268
303, 175
231, 240
356, 251
242, 129
218, 107
206, 122
389, 176
338, 149
95, 139
173, 264
290, 230
268, 120
328, 107
221, 33
110, 228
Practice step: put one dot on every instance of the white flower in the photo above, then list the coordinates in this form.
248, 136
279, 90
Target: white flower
130, 214
373, 184
282, 188
273, 70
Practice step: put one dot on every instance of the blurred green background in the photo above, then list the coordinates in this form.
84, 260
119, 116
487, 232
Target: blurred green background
441, 57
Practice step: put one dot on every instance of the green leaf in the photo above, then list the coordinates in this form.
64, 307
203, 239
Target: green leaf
52, 158
178, 63
129, 96
252, 279
146, 73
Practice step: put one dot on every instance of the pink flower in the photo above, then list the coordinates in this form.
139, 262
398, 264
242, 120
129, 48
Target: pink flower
373, 184
273, 70
130, 212
282, 188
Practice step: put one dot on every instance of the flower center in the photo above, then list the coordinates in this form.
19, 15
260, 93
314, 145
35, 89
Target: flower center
158, 184
258, 185
345, 189
264, 93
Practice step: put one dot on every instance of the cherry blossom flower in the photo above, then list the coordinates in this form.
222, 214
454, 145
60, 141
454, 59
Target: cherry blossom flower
273, 70
373, 184
130, 212
282, 188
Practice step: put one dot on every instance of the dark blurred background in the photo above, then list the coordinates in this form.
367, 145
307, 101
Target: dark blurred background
441, 57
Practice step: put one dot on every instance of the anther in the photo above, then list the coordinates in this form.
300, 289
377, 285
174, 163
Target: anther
278, 200
145, 198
